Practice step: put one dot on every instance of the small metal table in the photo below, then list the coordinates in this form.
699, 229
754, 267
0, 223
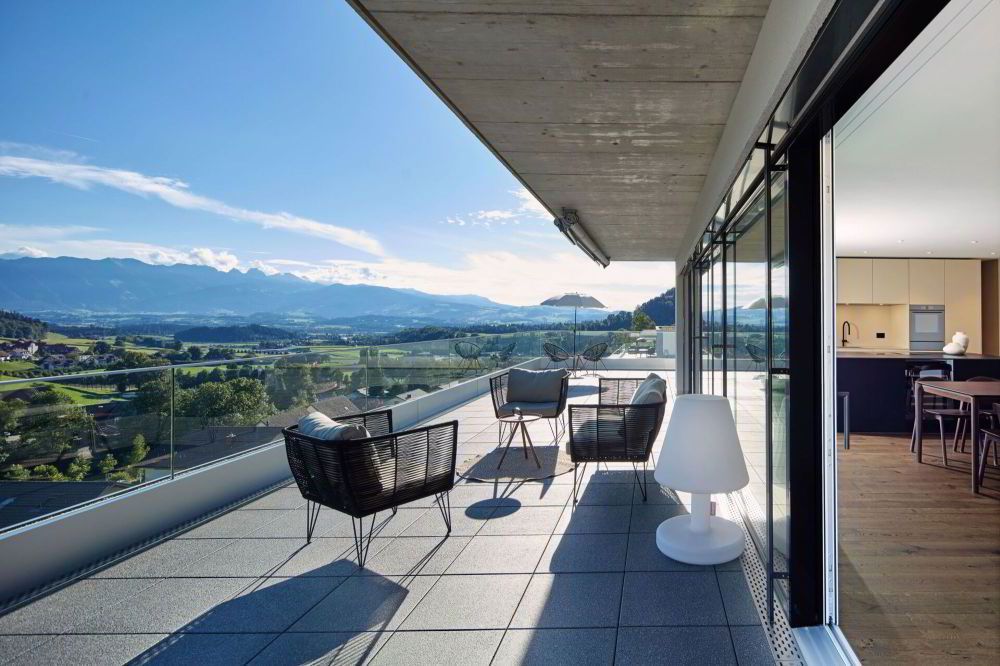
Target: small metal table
519, 422
973, 393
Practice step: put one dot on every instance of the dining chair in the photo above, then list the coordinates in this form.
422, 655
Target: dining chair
935, 407
991, 437
961, 434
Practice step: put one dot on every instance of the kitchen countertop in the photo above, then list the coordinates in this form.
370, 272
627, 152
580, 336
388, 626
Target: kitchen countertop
906, 354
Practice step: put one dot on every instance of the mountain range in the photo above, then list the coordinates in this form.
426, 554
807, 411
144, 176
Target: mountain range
110, 286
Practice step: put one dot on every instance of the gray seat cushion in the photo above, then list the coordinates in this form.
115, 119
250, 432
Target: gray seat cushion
534, 385
321, 426
546, 410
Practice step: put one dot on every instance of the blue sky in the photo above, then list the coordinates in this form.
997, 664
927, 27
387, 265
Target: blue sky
279, 135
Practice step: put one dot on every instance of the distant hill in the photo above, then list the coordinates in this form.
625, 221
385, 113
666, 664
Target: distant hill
16, 325
662, 308
109, 286
249, 333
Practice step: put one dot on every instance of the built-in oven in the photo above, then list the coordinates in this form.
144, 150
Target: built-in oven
926, 327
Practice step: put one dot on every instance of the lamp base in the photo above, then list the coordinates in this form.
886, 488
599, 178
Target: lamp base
721, 542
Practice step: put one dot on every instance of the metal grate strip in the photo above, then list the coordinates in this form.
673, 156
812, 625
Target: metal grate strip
779, 635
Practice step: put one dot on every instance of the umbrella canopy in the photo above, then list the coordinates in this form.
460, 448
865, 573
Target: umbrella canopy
573, 301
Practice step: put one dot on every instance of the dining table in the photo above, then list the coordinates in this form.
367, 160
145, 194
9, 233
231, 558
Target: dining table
974, 394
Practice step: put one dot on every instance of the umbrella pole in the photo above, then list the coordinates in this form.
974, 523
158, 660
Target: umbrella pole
574, 332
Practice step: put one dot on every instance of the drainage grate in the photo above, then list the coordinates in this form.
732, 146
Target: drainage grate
779, 635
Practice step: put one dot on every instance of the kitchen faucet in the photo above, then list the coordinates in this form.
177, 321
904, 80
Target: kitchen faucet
845, 330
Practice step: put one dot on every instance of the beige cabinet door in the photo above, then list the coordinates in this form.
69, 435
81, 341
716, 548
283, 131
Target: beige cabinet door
854, 280
890, 281
963, 305
926, 281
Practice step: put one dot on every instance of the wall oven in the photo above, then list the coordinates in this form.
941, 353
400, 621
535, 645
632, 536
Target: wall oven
926, 327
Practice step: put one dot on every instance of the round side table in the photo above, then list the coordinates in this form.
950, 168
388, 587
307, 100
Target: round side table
519, 422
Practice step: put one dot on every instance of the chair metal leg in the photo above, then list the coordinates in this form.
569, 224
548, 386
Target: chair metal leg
362, 541
643, 481
444, 506
575, 478
394, 510
312, 516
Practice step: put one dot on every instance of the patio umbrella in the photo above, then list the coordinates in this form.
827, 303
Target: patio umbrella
574, 301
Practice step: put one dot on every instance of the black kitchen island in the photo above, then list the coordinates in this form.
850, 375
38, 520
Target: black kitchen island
879, 389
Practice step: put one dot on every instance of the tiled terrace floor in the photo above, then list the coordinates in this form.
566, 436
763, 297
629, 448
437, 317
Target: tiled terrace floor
523, 578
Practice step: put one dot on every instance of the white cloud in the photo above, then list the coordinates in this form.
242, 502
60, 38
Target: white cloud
506, 277
28, 251
529, 205
495, 214
24, 231
176, 193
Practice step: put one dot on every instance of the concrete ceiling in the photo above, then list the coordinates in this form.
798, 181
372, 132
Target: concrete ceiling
611, 107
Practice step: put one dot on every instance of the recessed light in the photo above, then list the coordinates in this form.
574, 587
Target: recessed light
929, 252
974, 242
864, 251
900, 240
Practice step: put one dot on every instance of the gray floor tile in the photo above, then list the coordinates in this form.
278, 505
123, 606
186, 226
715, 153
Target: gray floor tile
366, 603
326, 557
705, 646
605, 494
647, 517
581, 647
166, 607
523, 520
246, 558
500, 554
656, 494
584, 552
236, 524
476, 494
293, 525
667, 598
752, 646
403, 556
267, 605
464, 522
594, 520
545, 493
740, 608
110, 649
732, 565
645, 555
385, 524
570, 600
469, 602
165, 559
322, 648
444, 648
215, 649
284, 498
62, 610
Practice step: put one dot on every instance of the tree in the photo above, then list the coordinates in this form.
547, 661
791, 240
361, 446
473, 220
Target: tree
139, 450
17, 473
52, 423
641, 321
291, 386
107, 464
79, 468
248, 402
195, 352
102, 347
49, 472
177, 345
10, 411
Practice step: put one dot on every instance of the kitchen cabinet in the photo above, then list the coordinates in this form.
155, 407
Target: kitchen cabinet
926, 281
890, 281
963, 301
854, 280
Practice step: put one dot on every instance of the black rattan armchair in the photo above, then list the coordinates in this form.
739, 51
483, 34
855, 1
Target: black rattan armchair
469, 353
364, 476
555, 353
614, 430
554, 413
595, 354
503, 355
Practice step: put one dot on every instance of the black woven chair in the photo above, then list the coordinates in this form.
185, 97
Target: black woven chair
757, 358
555, 353
557, 421
595, 354
469, 353
503, 355
614, 431
362, 477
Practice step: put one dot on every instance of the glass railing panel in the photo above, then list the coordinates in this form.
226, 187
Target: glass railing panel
69, 440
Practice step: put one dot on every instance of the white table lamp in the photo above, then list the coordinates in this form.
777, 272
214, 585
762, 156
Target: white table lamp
701, 455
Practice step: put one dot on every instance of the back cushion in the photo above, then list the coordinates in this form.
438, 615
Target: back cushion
652, 389
321, 426
534, 385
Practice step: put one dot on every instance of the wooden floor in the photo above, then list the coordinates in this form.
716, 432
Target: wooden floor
919, 556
